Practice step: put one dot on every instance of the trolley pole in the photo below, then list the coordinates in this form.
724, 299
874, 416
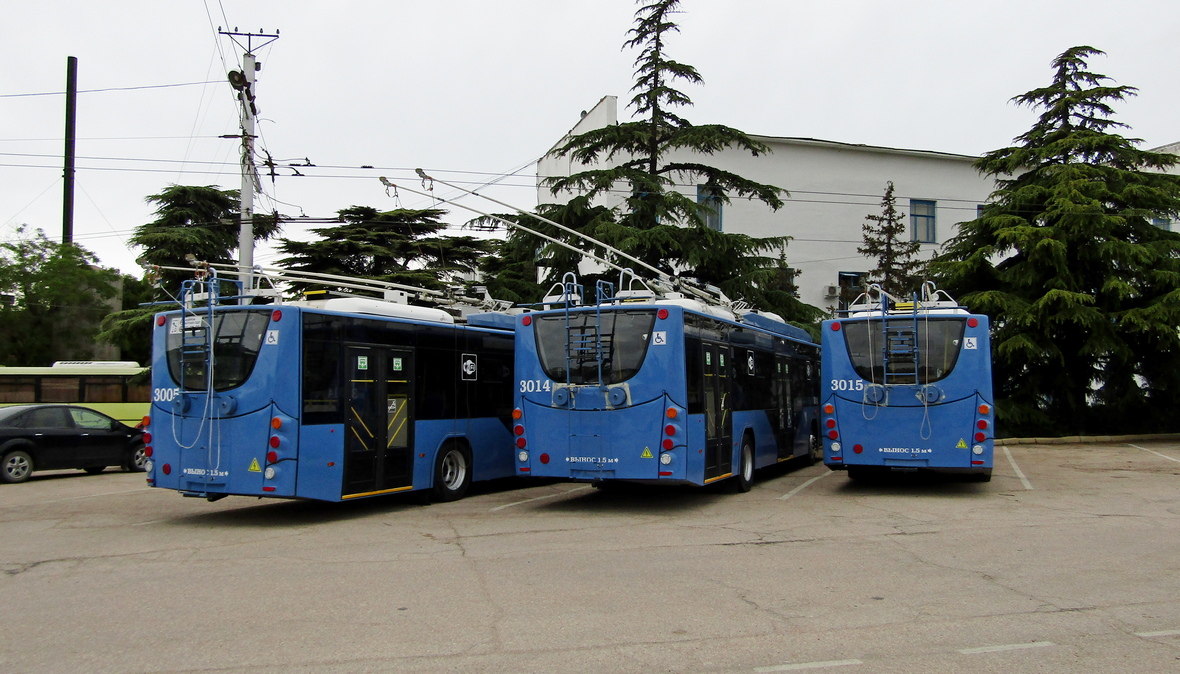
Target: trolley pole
243, 82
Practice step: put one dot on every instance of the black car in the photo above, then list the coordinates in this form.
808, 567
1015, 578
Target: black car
49, 437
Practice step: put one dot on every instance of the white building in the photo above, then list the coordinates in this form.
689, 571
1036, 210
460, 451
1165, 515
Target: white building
832, 186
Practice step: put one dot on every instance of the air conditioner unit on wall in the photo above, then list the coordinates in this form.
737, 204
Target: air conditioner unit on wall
831, 291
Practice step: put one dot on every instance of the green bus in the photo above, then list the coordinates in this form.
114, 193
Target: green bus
119, 389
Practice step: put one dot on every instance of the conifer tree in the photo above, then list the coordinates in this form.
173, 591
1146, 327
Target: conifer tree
1082, 288
658, 223
898, 267
398, 246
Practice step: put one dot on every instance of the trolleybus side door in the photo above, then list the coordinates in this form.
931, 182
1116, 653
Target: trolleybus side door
784, 409
379, 431
718, 420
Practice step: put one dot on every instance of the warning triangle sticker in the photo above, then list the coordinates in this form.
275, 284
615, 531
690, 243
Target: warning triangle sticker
962, 444
254, 467
646, 454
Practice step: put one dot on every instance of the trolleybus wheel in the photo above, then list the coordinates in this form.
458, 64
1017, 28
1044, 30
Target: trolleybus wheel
745, 477
16, 467
452, 473
815, 449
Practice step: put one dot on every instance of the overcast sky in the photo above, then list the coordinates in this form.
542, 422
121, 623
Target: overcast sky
475, 91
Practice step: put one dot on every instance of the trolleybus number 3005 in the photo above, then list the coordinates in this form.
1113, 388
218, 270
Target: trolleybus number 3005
848, 385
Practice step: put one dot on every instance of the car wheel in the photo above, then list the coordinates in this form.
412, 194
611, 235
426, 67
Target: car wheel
94, 470
136, 462
745, 477
452, 473
17, 466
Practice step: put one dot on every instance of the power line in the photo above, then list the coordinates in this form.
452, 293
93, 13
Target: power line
96, 91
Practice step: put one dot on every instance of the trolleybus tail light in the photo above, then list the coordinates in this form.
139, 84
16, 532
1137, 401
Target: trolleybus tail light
671, 413
982, 424
662, 314
518, 429
276, 423
829, 409
835, 326
668, 444
980, 437
167, 468
148, 451
160, 320
517, 413
147, 438
147, 421
833, 434
544, 457
272, 457
972, 322
274, 441
858, 448
984, 409
521, 443
276, 315
830, 423
526, 321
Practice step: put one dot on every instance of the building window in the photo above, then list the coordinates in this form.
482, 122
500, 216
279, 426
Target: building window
922, 221
1163, 223
849, 286
709, 205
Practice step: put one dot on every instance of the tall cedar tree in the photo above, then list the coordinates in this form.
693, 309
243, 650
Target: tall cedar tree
398, 246
1082, 288
201, 221
898, 268
659, 224
58, 296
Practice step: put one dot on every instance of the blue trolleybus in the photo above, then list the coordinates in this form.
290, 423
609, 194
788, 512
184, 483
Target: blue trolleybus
331, 399
908, 387
660, 390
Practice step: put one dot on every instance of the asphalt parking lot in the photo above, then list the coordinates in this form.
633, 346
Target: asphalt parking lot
1068, 561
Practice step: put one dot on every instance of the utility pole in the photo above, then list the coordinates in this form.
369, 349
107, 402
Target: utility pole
67, 206
243, 82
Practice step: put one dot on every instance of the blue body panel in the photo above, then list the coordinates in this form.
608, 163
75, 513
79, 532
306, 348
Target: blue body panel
945, 425
250, 439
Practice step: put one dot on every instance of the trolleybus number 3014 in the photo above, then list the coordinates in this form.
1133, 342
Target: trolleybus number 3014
534, 385
848, 385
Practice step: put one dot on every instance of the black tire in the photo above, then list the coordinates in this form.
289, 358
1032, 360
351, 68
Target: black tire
744, 480
16, 466
815, 450
136, 461
982, 477
452, 473
860, 473
94, 470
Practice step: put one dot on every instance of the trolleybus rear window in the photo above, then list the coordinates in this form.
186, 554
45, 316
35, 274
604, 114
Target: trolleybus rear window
572, 352
886, 354
237, 336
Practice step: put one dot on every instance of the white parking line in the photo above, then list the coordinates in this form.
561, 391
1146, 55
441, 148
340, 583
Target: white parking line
1165, 456
1019, 473
808, 665
539, 498
800, 488
1005, 647
1161, 633
75, 498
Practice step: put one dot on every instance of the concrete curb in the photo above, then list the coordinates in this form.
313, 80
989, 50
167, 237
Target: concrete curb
1090, 439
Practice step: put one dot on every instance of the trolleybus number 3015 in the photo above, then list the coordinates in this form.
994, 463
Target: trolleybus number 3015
848, 385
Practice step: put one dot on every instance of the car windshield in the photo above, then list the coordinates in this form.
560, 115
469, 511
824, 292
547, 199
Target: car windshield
8, 414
